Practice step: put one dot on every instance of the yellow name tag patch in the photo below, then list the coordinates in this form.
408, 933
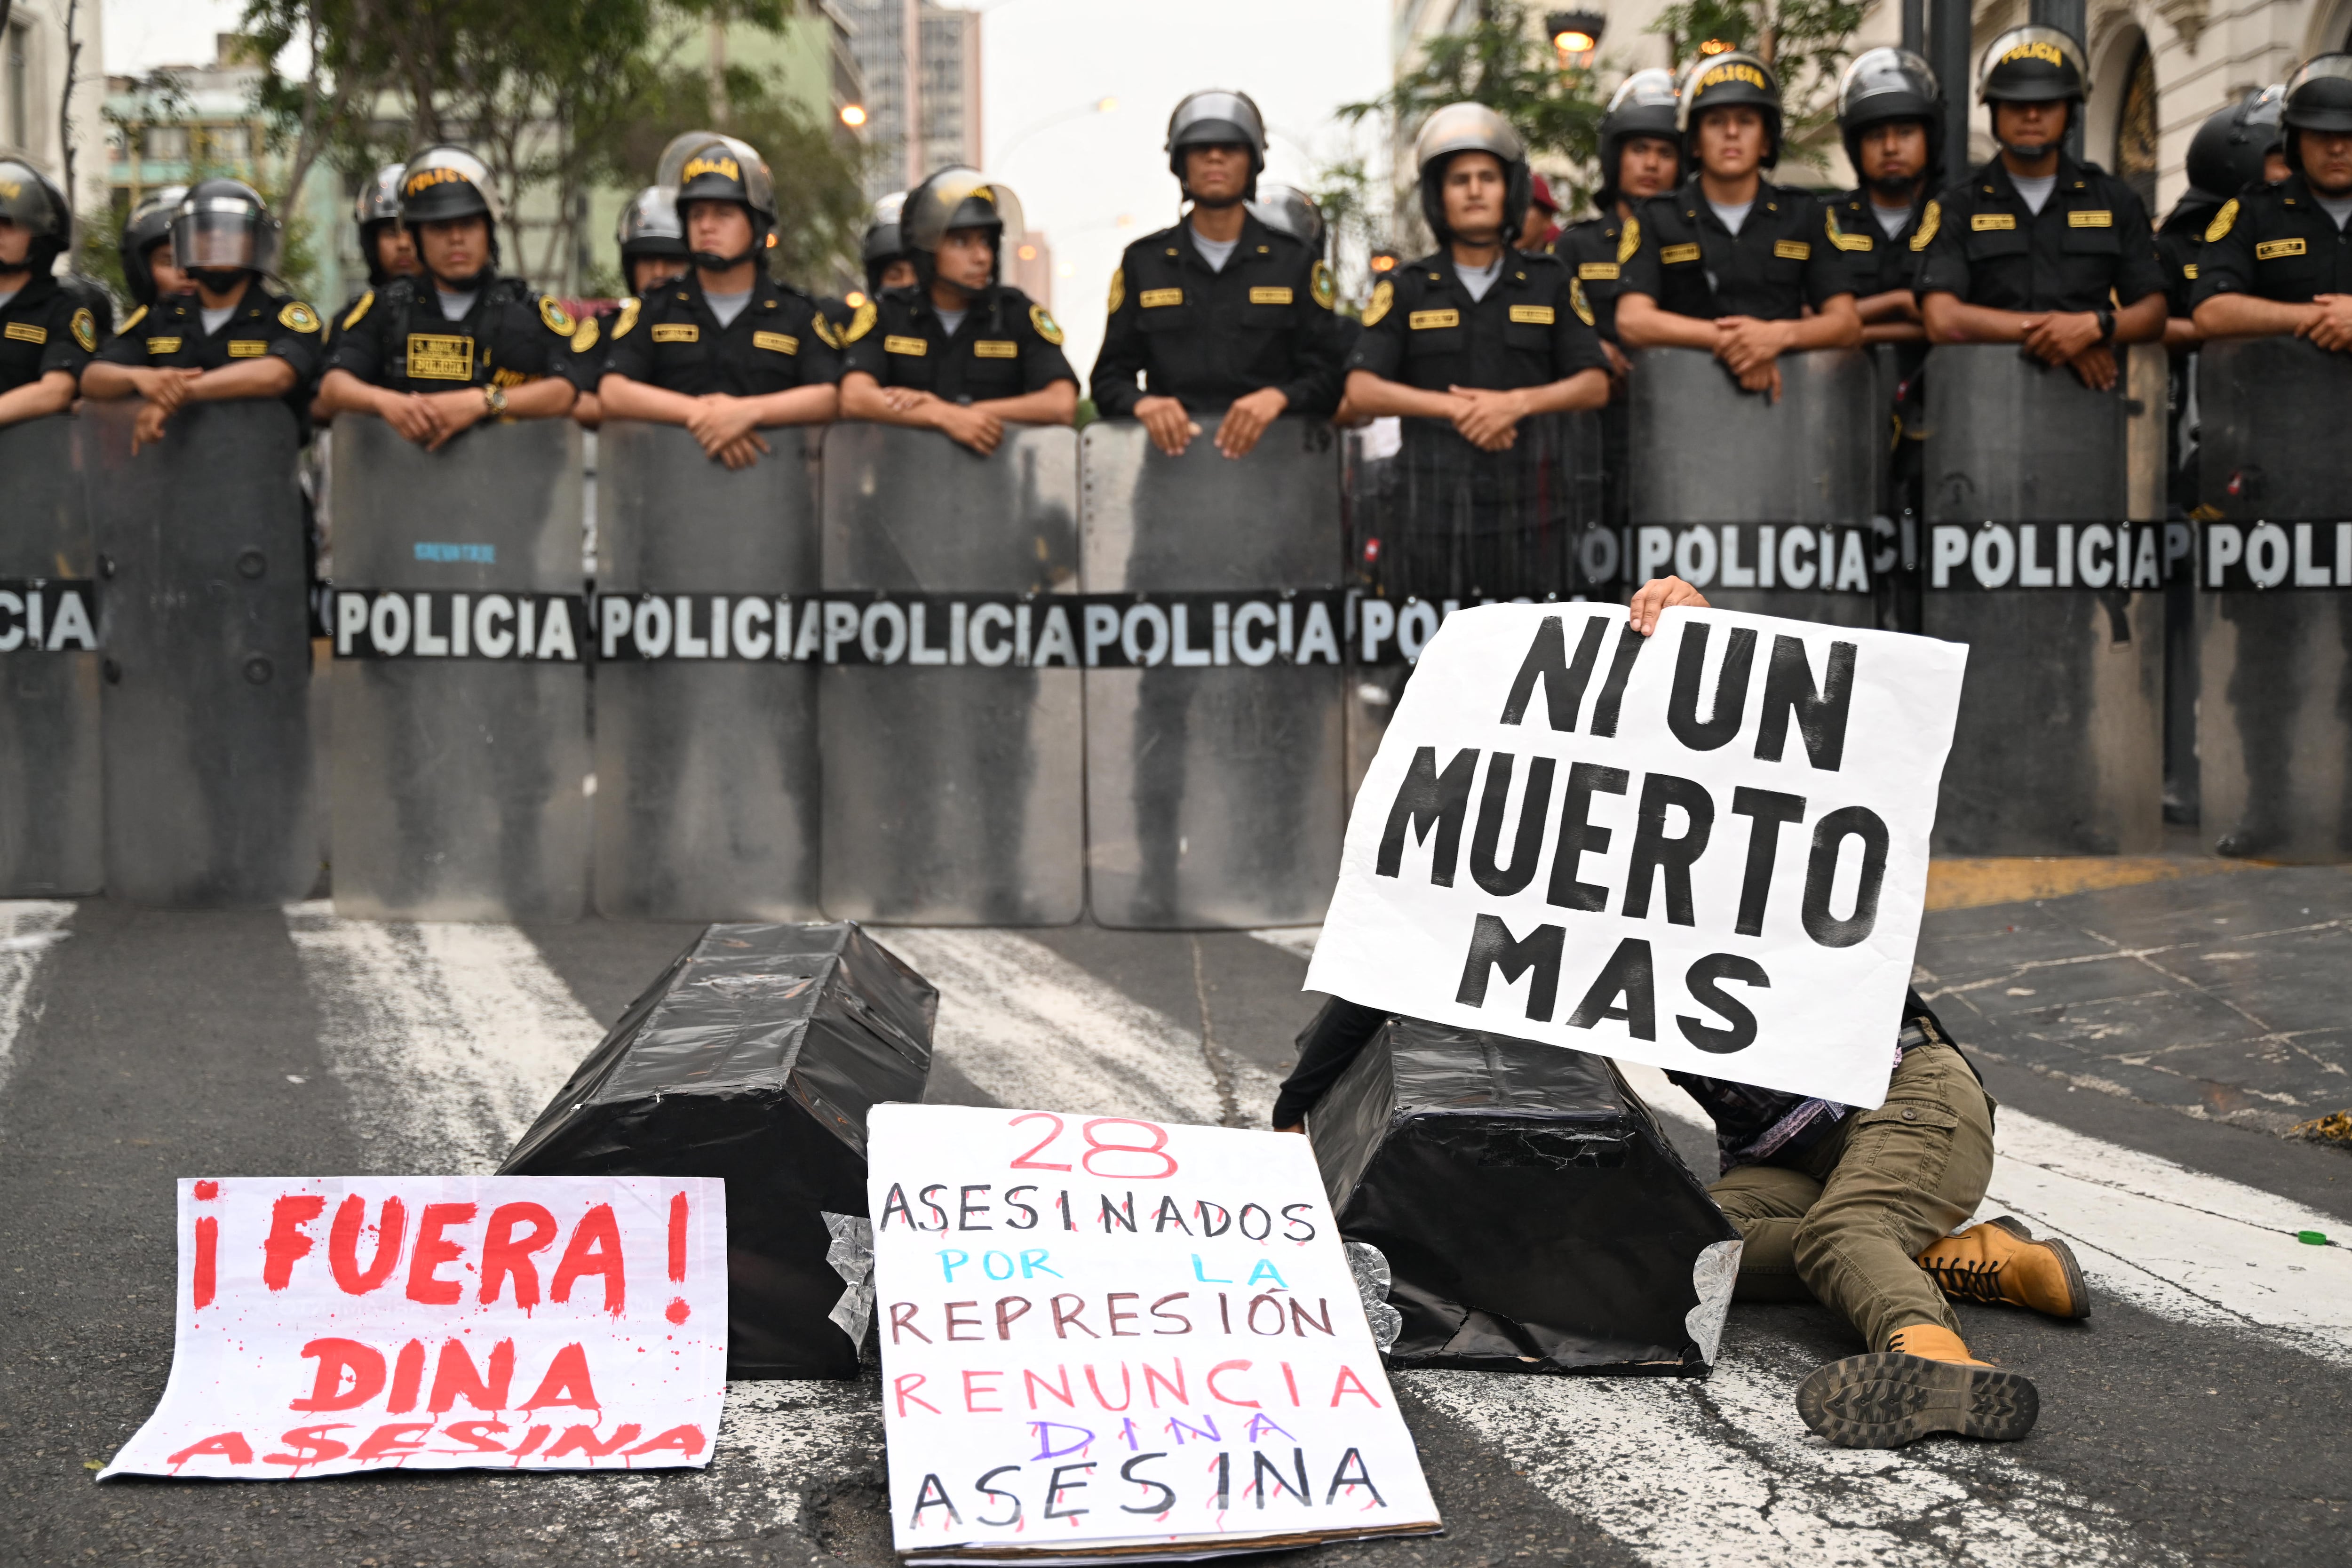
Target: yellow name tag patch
433, 356
2096, 218
1533, 315
1155, 297
1423, 320
1674, 255
1793, 249
246, 348
677, 332
1980, 222
27, 332
1269, 296
781, 342
162, 345
895, 344
1597, 271
996, 348
2272, 249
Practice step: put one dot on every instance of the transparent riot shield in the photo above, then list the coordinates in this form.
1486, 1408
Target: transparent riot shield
1216, 795
2038, 559
52, 842
2274, 601
705, 743
210, 786
1765, 506
1434, 523
953, 793
461, 765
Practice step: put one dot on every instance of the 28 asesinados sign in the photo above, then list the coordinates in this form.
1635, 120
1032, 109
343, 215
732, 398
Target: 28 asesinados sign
1706, 850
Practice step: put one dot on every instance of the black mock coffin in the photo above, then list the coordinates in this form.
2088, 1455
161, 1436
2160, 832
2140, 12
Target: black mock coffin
1533, 1216
754, 1058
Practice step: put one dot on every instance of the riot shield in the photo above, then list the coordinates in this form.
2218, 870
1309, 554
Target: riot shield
1434, 523
461, 691
1765, 506
211, 797
52, 841
2034, 557
953, 792
2274, 601
705, 743
1215, 794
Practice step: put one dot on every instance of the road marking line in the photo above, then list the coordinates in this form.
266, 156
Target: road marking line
28, 929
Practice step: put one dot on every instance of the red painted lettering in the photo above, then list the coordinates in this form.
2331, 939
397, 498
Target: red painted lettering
317, 1447
676, 1239
583, 1440
337, 1357
391, 1442
972, 1390
229, 1446
454, 1377
566, 1381
686, 1440
433, 1250
1220, 1394
504, 1253
594, 1248
343, 1244
903, 1387
202, 1287
475, 1436
288, 1240
408, 1376
1349, 1382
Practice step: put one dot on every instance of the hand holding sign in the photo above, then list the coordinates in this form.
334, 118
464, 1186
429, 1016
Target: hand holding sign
1704, 849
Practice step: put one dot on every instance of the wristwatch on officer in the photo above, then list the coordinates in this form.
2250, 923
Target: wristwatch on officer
494, 398
2106, 318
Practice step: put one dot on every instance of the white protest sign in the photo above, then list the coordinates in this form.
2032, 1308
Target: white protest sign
1102, 1335
330, 1324
1705, 849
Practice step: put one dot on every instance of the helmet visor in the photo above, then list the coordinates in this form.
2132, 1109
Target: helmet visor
958, 198
218, 234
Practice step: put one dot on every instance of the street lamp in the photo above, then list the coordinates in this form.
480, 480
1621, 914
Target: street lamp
1575, 34
854, 115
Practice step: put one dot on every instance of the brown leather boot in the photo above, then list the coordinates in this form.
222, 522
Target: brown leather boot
1926, 1383
1998, 1263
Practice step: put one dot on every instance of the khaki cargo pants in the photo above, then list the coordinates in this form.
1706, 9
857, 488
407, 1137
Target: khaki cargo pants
1843, 1226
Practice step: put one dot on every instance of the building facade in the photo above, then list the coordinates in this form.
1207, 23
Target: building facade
941, 125
52, 89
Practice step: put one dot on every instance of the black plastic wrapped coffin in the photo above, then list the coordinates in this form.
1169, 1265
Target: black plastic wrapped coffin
1533, 1216
754, 1058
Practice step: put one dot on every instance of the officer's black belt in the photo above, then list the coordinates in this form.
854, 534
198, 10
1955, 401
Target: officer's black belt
1972, 556
445, 623
48, 615
2276, 553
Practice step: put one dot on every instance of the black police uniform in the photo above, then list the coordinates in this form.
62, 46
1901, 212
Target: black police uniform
1596, 251
398, 338
1461, 523
2179, 238
170, 334
1783, 258
1981, 241
1206, 336
1006, 346
42, 328
673, 339
2274, 242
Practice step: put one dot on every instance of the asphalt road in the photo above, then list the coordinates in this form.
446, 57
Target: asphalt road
2148, 1045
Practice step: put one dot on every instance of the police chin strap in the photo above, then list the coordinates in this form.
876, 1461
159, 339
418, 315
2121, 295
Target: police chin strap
467, 285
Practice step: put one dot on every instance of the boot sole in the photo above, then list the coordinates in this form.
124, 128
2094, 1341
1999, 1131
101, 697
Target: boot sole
2077, 1287
1887, 1399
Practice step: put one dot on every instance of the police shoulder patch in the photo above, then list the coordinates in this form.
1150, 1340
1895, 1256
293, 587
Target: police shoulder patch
1320, 285
137, 316
1577, 301
817, 324
2222, 221
1118, 289
1929, 221
860, 323
1047, 328
358, 310
584, 337
628, 317
559, 320
1629, 241
85, 330
1383, 295
297, 317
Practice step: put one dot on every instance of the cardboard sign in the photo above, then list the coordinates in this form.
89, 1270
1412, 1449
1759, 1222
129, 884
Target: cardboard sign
333, 1324
1705, 849
1109, 1337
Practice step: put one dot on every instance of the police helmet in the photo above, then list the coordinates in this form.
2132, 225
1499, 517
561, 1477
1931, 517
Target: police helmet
956, 197
724, 169
29, 201
681, 147
1886, 85
378, 203
149, 225
1645, 105
649, 226
1471, 128
444, 183
1731, 80
2226, 154
224, 223
2033, 65
882, 244
1214, 117
1292, 211
2318, 98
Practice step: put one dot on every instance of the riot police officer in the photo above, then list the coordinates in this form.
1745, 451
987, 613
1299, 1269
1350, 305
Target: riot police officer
1641, 157
46, 335
385, 244
2239, 145
231, 336
1729, 262
2034, 247
144, 249
960, 352
1890, 113
1221, 314
725, 349
653, 252
2278, 257
882, 250
436, 354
